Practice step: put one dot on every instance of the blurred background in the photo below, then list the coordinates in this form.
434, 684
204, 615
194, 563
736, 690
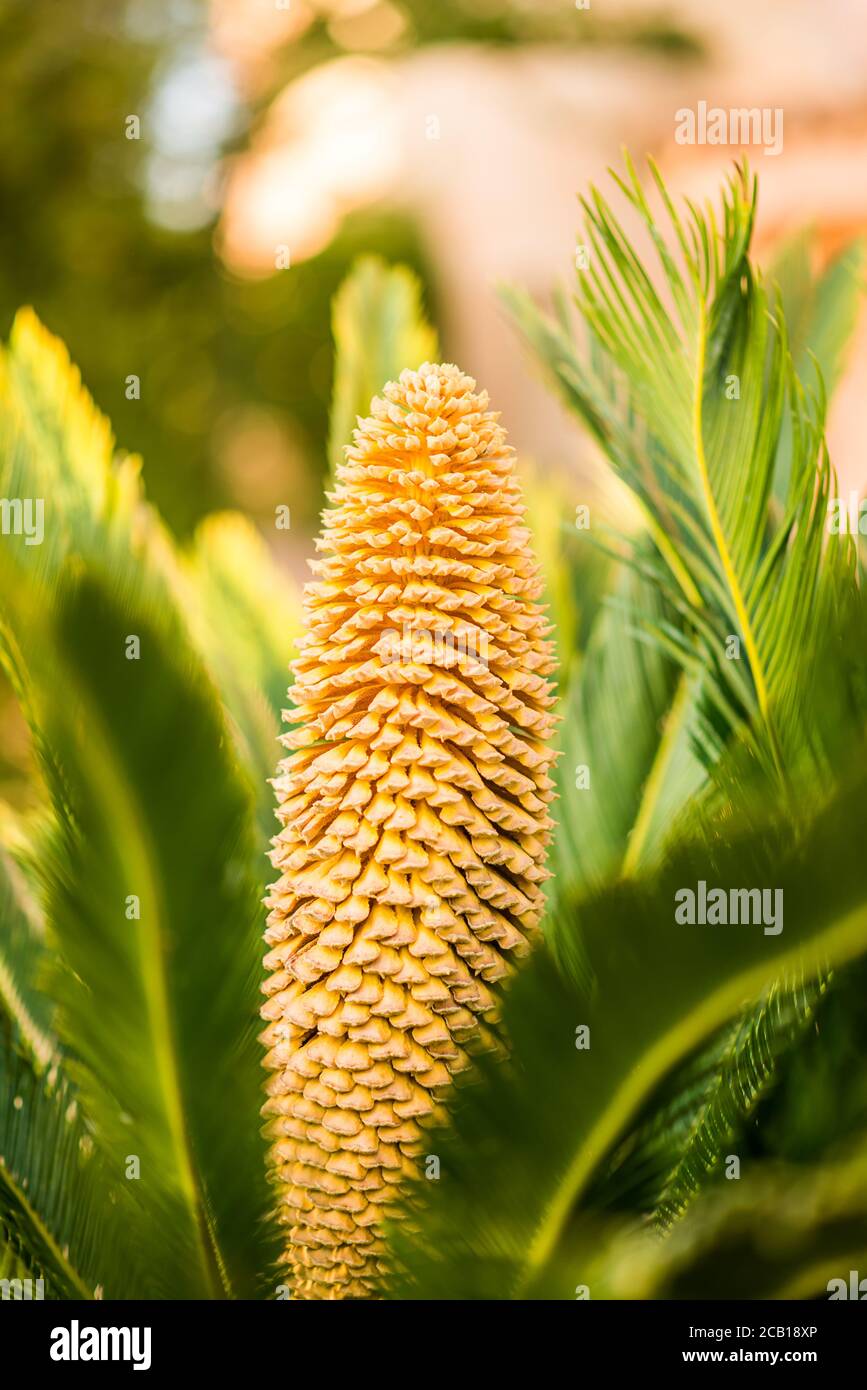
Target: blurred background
183, 186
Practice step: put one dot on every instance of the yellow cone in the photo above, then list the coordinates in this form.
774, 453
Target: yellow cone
413, 806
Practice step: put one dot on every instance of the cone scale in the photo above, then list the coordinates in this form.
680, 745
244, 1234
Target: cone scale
413, 805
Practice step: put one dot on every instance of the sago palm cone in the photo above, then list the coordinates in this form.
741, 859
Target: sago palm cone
414, 814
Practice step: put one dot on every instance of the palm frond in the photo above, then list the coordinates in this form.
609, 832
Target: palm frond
528, 1138
821, 310
688, 395
22, 947
246, 615
779, 1232
56, 446
687, 1137
156, 1010
15, 1267
61, 1206
379, 329
703, 1110
627, 766
228, 598
820, 1099
545, 498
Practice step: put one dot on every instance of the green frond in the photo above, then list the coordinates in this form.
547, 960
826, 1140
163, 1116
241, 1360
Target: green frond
157, 1009
154, 789
746, 1066
627, 766
56, 446
778, 1233
229, 597
254, 608
246, 614
22, 952
689, 393
15, 1267
704, 1108
379, 329
821, 310
650, 992
567, 599
62, 1208
70, 437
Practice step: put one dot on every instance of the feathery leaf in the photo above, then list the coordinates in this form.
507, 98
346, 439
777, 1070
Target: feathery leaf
655, 990
689, 403
156, 1010
379, 329
779, 1232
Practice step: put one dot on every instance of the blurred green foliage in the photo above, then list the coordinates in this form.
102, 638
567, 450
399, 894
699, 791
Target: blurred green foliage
379, 330
79, 243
